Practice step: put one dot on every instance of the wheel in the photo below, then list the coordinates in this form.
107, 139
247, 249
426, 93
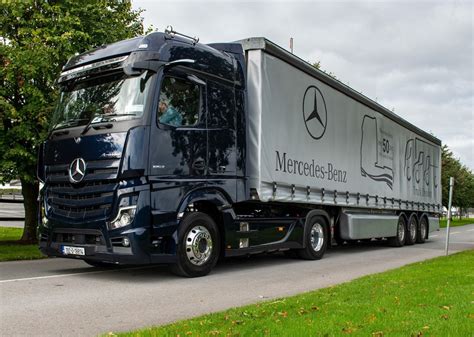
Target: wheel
198, 245
316, 239
412, 229
399, 239
100, 264
422, 230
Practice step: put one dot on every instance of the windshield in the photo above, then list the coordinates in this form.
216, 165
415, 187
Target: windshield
107, 98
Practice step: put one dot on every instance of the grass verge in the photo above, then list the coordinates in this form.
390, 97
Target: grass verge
11, 249
443, 223
433, 297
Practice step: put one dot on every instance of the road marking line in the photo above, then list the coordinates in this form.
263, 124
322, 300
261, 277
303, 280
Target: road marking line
470, 230
433, 236
455, 232
65, 275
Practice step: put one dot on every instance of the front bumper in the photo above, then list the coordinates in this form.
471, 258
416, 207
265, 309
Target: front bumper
103, 248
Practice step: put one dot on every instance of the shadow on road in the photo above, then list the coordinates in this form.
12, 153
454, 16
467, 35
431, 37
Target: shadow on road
162, 273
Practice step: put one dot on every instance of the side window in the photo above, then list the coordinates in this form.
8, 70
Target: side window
220, 105
180, 102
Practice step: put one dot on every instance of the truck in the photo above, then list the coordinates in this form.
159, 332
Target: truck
164, 150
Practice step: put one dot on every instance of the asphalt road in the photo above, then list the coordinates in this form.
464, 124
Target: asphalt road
59, 297
11, 210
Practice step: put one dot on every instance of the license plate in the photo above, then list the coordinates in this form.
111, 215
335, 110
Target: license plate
67, 250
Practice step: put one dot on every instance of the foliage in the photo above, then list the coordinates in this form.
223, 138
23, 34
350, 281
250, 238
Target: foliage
425, 298
443, 223
11, 250
36, 39
463, 192
317, 65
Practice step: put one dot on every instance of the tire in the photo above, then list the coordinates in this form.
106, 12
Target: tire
99, 264
399, 239
422, 230
316, 239
412, 230
198, 245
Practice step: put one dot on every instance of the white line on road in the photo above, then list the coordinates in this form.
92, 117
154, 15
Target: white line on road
470, 230
65, 275
433, 236
455, 232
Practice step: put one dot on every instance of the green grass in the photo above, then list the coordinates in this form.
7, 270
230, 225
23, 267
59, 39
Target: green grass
11, 250
431, 298
456, 222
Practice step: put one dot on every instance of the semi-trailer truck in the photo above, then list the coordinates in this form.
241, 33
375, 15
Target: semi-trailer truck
166, 150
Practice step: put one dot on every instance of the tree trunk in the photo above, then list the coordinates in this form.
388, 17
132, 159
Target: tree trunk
30, 202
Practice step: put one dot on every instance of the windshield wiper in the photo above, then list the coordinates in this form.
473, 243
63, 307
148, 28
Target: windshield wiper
103, 119
88, 125
66, 124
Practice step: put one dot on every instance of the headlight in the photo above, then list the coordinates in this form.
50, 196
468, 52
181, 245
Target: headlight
124, 217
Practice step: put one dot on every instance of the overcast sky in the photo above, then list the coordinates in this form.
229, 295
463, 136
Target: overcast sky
413, 56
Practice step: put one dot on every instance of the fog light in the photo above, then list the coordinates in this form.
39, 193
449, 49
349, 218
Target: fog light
126, 242
244, 243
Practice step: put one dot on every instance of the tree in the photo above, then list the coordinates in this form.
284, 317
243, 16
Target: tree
317, 65
36, 39
463, 192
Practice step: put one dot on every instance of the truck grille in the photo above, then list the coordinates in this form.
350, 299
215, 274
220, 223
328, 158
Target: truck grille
92, 198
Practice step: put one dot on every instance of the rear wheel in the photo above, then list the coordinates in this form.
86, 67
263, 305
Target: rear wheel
198, 247
316, 239
399, 239
422, 230
412, 230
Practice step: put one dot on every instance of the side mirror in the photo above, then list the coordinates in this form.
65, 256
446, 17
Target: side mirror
136, 68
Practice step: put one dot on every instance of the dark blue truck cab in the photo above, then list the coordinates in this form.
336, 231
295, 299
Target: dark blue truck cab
148, 161
117, 178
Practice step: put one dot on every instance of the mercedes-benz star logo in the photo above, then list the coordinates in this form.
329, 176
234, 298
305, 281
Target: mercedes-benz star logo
77, 170
314, 112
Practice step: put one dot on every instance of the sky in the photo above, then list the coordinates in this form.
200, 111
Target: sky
413, 57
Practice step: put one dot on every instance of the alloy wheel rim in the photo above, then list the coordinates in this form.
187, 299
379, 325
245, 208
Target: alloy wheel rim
423, 229
199, 245
413, 229
317, 237
401, 231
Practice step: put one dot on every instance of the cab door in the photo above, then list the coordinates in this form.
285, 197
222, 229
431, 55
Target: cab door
178, 143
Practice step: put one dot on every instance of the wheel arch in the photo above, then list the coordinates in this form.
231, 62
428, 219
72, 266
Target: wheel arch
212, 201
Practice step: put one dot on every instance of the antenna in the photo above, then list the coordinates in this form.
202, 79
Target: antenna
172, 33
291, 45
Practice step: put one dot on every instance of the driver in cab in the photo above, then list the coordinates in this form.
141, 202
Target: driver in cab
168, 114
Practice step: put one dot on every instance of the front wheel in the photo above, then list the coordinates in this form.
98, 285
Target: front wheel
198, 246
316, 239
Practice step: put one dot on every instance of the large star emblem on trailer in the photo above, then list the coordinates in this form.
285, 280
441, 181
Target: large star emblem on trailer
314, 112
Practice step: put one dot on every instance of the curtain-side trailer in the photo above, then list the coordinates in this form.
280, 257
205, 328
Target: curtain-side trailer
165, 150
